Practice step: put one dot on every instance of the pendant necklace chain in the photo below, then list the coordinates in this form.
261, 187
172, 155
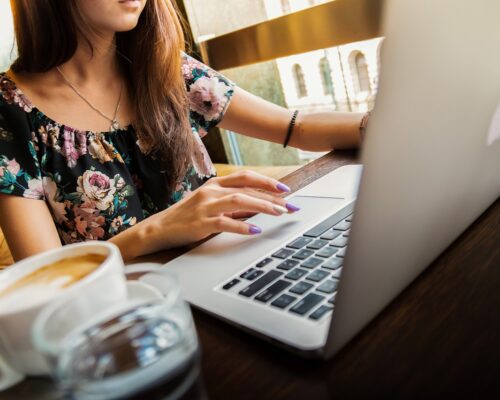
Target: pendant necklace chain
113, 121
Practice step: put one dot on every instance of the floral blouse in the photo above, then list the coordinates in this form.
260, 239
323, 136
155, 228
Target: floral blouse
97, 184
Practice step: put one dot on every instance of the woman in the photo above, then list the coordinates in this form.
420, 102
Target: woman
100, 132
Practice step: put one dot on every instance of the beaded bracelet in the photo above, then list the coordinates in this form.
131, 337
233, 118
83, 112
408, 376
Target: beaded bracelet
290, 128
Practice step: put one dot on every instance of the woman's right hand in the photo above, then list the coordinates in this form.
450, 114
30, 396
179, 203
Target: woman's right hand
214, 207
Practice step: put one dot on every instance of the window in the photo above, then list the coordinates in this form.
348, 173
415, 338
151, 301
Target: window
326, 76
360, 68
285, 6
300, 82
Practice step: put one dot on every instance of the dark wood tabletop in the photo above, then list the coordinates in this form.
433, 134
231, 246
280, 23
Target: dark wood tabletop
440, 338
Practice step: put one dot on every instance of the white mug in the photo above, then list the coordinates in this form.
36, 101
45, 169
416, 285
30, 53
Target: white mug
105, 285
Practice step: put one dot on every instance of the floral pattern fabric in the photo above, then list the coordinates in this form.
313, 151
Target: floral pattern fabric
97, 184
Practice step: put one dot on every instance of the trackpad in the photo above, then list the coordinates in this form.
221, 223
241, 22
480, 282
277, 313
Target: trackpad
311, 209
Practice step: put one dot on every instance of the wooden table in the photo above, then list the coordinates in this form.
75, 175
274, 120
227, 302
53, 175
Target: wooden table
439, 339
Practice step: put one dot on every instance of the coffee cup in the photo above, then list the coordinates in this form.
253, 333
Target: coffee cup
97, 274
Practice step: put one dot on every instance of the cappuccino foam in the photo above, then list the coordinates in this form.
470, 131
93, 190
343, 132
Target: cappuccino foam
47, 281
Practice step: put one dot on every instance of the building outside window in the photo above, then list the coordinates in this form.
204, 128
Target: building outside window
300, 82
360, 72
285, 6
326, 76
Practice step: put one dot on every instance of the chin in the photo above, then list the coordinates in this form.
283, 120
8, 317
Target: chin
126, 25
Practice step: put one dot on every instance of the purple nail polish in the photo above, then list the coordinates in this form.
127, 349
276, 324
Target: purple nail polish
254, 230
291, 207
282, 187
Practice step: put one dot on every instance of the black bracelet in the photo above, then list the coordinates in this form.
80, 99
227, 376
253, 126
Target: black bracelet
290, 128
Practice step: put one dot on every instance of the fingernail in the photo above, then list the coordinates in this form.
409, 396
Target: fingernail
254, 230
291, 207
282, 187
279, 209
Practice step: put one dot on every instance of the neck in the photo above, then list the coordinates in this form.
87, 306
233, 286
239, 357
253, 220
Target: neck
93, 64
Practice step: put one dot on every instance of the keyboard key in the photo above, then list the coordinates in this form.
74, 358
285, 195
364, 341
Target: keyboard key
288, 265
299, 242
340, 241
317, 244
303, 254
296, 273
312, 262
322, 227
264, 262
333, 263
230, 284
330, 235
347, 233
320, 312
317, 275
272, 291
307, 303
349, 218
260, 283
328, 286
336, 274
342, 226
283, 253
327, 252
251, 274
341, 253
283, 301
301, 287
332, 299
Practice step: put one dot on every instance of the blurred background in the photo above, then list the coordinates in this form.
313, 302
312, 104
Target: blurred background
343, 76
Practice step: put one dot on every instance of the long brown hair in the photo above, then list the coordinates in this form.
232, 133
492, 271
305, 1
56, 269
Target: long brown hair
47, 36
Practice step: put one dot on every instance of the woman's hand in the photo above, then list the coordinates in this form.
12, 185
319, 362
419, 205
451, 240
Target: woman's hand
214, 207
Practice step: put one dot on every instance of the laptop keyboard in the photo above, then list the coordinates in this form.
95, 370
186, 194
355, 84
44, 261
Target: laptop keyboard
302, 277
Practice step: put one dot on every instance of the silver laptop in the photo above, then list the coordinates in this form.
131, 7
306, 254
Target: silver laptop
431, 166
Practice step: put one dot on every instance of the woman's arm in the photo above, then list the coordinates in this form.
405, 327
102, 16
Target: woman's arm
29, 228
252, 116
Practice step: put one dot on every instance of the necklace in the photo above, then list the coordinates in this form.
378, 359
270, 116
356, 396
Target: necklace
113, 121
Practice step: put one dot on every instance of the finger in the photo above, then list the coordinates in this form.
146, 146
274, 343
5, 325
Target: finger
253, 179
240, 214
225, 224
273, 198
242, 202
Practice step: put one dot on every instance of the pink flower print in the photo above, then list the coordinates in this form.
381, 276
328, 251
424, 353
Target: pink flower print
97, 187
187, 71
69, 150
88, 222
189, 64
13, 95
35, 190
13, 167
207, 97
81, 142
116, 224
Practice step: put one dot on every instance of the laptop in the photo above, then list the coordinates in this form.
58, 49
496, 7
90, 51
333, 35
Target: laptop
430, 167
